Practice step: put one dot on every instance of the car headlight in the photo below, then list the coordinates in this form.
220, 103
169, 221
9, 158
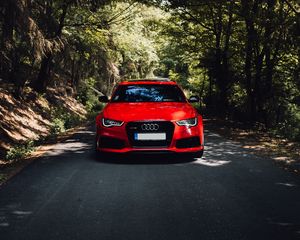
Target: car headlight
191, 122
111, 123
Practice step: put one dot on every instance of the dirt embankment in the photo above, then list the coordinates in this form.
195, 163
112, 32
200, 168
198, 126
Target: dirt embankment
30, 117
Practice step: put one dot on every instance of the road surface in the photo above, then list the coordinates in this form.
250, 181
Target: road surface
228, 194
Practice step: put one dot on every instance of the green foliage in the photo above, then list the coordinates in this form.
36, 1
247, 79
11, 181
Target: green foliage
63, 120
241, 57
86, 95
21, 151
89, 98
91, 115
2, 177
57, 126
290, 126
135, 40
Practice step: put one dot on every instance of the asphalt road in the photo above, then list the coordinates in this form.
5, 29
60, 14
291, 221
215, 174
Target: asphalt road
228, 194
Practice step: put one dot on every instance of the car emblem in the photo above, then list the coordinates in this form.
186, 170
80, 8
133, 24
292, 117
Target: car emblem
150, 127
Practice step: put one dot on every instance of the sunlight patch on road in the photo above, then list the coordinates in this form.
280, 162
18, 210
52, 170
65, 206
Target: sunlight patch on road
210, 163
3, 221
22, 212
210, 134
4, 224
67, 147
9, 211
287, 184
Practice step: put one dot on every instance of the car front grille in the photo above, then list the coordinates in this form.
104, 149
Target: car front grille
153, 127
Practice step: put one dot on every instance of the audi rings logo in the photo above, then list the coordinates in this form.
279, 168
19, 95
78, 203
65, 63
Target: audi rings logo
150, 127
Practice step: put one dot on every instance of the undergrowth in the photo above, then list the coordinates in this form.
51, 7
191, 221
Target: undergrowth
20, 151
63, 120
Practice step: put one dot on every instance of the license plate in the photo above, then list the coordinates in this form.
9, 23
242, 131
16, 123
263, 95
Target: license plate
150, 136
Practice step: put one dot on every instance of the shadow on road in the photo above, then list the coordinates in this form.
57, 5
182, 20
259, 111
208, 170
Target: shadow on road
141, 158
228, 192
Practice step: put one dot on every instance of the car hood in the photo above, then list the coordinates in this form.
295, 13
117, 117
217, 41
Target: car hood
149, 111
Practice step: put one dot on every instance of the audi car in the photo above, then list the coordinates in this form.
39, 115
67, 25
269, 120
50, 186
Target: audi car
149, 116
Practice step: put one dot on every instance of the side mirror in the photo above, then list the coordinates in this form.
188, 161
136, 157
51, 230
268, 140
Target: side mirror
194, 99
103, 99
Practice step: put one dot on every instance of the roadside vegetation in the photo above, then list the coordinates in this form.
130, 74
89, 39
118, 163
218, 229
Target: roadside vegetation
241, 57
20, 151
62, 120
35, 119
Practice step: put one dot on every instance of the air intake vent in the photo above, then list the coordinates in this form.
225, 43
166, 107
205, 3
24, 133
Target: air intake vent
113, 143
188, 142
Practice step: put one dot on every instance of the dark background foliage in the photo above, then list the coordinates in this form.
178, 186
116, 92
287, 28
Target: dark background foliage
241, 57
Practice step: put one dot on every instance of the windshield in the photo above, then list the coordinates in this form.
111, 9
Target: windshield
148, 93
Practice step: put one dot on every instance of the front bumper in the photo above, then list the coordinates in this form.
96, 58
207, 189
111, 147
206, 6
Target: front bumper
183, 140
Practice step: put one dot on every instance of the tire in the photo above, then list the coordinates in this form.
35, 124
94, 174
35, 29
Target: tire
198, 154
96, 144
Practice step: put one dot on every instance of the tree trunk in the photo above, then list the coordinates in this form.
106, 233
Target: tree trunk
6, 54
250, 11
257, 83
41, 82
248, 70
225, 60
268, 48
220, 78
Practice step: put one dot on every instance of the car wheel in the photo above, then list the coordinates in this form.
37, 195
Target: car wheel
198, 154
96, 144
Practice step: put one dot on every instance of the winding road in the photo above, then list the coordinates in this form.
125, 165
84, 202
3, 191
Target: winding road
230, 193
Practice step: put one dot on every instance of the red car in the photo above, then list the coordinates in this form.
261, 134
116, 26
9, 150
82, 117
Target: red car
149, 115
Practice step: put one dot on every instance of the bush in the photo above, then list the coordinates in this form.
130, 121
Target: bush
63, 120
95, 110
19, 152
290, 127
86, 95
58, 126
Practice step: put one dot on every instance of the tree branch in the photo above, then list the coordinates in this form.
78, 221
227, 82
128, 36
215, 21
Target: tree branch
291, 7
116, 16
197, 20
62, 20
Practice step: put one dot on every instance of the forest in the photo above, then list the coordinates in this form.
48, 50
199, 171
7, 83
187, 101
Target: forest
241, 57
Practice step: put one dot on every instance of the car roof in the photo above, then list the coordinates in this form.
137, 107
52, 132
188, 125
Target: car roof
165, 81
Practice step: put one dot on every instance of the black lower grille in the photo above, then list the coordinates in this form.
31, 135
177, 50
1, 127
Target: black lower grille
113, 143
133, 128
188, 142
